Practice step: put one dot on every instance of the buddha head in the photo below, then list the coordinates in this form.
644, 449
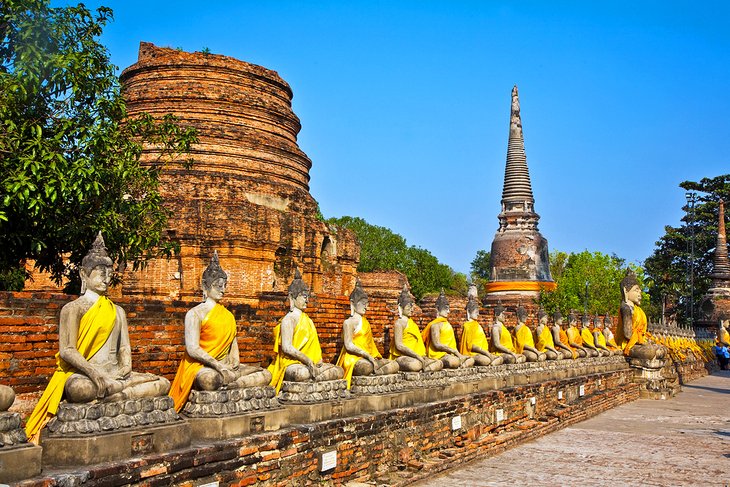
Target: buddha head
358, 299
298, 292
585, 321
499, 312
597, 323
558, 318
96, 268
405, 302
215, 279
607, 323
542, 317
572, 319
630, 290
521, 314
442, 305
472, 305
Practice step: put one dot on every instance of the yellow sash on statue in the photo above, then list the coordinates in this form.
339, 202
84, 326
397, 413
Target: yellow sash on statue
94, 329
363, 339
446, 336
523, 337
574, 336
587, 337
601, 340
411, 339
472, 335
545, 340
505, 339
217, 332
304, 339
638, 330
564, 341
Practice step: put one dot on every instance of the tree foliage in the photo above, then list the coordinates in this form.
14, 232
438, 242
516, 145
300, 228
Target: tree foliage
69, 156
668, 268
382, 250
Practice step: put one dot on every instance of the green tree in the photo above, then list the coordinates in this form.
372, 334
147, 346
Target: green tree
69, 156
381, 249
481, 270
668, 268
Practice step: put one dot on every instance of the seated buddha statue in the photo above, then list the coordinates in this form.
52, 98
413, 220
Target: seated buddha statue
599, 338
608, 334
560, 338
573, 334
211, 360
586, 334
501, 343
297, 353
544, 342
359, 354
474, 341
440, 339
407, 347
94, 361
631, 332
524, 341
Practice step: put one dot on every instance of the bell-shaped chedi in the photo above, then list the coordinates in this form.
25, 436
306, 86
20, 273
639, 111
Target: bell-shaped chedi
519, 264
716, 303
247, 194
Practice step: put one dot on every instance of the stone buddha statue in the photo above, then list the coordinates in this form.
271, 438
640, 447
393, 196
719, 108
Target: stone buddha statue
560, 338
608, 334
573, 333
501, 343
631, 332
544, 342
298, 355
524, 341
359, 354
211, 360
586, 334
407, 347
599, 338
474, 341
94, 361
440, 340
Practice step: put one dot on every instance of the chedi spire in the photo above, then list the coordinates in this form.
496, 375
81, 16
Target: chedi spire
721, 264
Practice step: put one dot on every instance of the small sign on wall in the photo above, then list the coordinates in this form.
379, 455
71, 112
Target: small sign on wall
456, 423
560, 395
210, 484
533, 400
500, 415
582, 390
327, 460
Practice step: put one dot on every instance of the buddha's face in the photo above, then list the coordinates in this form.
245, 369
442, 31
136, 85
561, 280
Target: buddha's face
633, 295
544, 320
361, 306
559, 322
500, 317
407, 309
301, 300
472, 314
585, 324
97, 279
217, 289
444, 311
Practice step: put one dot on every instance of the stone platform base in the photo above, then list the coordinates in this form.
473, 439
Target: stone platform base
105, 417
313, 392
203, 404
418, 380
11, 432
237, 425
115, 446
20, 462
377, 384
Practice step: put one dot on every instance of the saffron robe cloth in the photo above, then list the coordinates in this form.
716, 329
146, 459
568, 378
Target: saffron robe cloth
446, 336
724, 336
411, 339
217, 332
95, 328
545, 339
523, 337
472, 334
363, 339
505, 339
564, 341
611, 341
574, 335
601, 340
587, 336
304, 339
638, 330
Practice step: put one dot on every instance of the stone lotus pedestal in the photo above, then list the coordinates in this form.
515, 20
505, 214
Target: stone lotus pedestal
377, 384
308, 402
654, 385
85, 434
218, 415
18, 459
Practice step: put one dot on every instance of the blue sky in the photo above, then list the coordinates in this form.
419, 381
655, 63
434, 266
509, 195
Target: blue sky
405, 107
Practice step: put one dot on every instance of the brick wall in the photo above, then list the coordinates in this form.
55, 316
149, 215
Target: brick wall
392, 447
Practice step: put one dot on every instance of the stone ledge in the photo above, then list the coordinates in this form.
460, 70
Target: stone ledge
313, 392
20, 463
11, 433
207, 404
232, 426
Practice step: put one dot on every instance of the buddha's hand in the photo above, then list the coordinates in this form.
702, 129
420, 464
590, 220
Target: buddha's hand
104, 385
312, 367
225, 373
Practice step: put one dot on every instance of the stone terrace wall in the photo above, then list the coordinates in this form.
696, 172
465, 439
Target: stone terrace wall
392, 447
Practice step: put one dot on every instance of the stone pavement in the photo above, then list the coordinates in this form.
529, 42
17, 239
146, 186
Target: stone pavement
681, 441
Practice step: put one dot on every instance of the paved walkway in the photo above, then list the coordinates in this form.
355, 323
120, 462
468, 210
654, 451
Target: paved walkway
681, 441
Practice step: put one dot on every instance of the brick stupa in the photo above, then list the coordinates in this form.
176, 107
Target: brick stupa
716, 302
247, 194
520, 266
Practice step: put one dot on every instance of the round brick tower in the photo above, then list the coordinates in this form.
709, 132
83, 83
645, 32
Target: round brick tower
520, 265
247, 194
